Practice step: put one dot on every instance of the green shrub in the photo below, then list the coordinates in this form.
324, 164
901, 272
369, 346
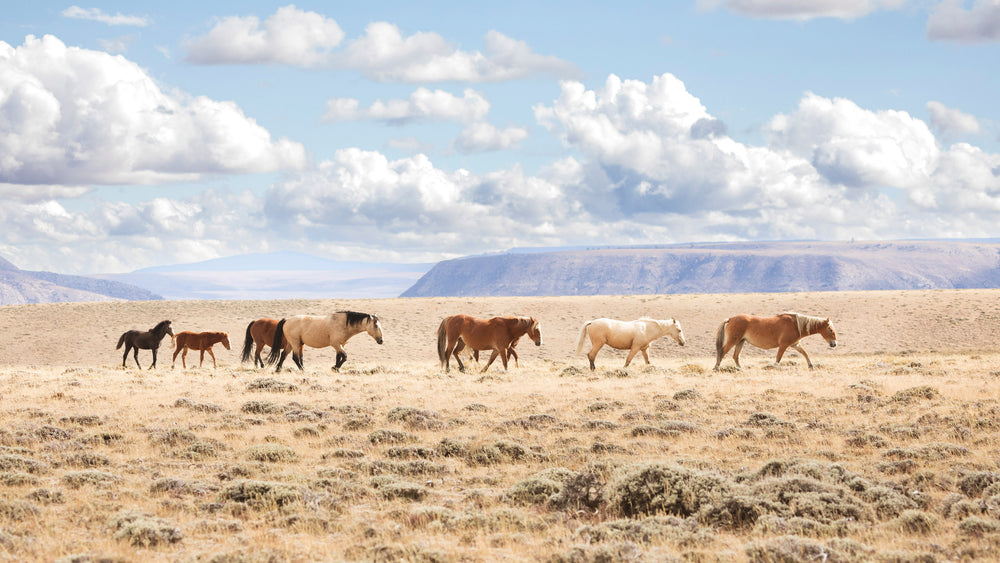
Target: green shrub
977, 526
917, 522
270, 453
655, 489
143, 530
973, 484
260, 494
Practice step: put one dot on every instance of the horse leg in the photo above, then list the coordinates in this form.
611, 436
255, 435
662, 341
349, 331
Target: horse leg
281, 360
125, 355
592, 355
736, 352
798, 348
211, 353
173, 360
459, 346
135, 356
184, 358
152, 365
631, 354
503, 357
493, 356
645, 354
513, 354
201, 358
297, 358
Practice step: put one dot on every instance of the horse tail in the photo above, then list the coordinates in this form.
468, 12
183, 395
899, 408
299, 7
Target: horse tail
276, 348
121, 340
443, 339
247, 344
583, 337
720, 338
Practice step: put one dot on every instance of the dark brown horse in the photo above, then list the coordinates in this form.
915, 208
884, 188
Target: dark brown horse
782, 332
148, 340
259, 333
458, 331
202, 341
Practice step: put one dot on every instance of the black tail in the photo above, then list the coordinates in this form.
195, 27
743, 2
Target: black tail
121, 341
276, 348
247, 344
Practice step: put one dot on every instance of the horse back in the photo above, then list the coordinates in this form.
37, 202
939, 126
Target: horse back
764, 332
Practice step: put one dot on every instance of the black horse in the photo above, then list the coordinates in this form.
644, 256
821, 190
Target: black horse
149, 340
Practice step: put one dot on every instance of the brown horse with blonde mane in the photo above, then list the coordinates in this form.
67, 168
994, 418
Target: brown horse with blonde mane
260, 333
202, 341
497, 333
782, 332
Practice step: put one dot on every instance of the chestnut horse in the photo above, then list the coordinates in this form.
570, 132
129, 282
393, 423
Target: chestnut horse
314, 331
202, 341
782, 332
634, 336
148, 340
259, 333
497, 333
511, 352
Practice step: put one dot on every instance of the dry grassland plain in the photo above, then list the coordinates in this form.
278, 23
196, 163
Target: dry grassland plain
887, 451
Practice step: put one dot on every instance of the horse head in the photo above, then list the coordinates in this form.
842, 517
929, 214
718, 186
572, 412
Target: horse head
535, 331
225, 340
677, 332
826, 330
374, 328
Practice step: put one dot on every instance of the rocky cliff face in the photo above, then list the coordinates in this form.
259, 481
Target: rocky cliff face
720, 268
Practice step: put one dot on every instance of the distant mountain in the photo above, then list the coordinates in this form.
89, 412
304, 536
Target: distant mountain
719, 268
18, 287
276, 275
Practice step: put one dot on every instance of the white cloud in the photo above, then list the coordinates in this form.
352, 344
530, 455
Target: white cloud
307, 39
951, 21
383, 54
483, 137
74, 116
116, 46
950, 122
803, 9
856, 147
422, 105
650, 163
95, 14
290, 36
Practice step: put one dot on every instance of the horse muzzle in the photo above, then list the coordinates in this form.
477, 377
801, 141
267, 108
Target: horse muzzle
539, 343
833, 344
378, 340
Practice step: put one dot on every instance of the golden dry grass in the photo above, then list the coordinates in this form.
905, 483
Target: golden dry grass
887, 451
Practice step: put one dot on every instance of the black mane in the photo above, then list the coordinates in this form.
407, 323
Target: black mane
160, 326
354, 318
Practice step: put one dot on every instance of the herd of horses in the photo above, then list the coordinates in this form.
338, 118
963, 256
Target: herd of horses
499, 335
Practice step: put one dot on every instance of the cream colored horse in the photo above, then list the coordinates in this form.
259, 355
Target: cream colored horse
634, 336
319, 332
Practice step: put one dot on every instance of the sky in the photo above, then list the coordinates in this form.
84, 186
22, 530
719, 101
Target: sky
137, 134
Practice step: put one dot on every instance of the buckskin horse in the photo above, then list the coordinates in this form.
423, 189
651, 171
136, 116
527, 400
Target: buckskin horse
201, 341
261, 334
634, 336
497, 333
782, 332
320, 331
147, 340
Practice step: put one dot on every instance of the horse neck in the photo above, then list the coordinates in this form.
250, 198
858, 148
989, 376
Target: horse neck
522, 326
811, 325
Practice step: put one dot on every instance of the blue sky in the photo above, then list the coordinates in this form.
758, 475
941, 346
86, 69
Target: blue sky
139, 134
